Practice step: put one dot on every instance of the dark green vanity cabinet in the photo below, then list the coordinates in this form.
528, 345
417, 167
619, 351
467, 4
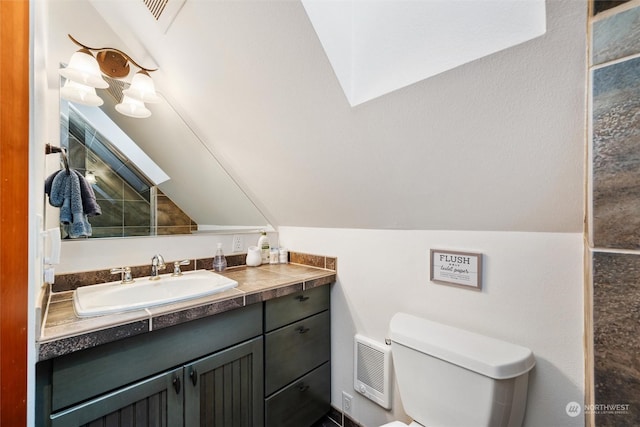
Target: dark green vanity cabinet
297, 358
205, 372
265, 364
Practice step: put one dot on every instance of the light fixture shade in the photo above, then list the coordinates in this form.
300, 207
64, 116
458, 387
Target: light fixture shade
80, 94
90, 177
133, 108
142, 88
83, 68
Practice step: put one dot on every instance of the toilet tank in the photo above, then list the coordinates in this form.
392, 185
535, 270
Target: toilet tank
452, 377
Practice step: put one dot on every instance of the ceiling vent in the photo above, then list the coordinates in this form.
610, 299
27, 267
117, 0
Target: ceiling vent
164, 11
156, 7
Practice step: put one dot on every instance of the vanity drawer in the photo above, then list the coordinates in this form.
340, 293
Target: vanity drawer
301, 403
294, 350
284, 310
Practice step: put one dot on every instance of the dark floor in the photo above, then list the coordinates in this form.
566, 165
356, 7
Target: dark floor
326, 422
335, 419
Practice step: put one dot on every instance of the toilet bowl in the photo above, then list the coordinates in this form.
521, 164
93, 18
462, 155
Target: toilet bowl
450, 377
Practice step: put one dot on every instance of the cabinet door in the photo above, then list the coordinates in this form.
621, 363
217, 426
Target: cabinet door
226, 388
155, 402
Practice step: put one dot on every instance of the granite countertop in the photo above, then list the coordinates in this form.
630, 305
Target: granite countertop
63, 332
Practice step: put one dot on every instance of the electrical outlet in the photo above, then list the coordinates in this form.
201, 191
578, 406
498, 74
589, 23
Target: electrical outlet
347, 403
238, 244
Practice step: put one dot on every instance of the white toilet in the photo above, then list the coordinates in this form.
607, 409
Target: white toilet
449, 377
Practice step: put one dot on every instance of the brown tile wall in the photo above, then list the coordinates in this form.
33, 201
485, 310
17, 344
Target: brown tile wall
615, 209
171, 219
71, 281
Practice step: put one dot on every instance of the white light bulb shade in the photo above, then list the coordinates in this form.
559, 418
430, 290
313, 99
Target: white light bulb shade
83, 68
133, 108
90, 177
142, 88
80, 94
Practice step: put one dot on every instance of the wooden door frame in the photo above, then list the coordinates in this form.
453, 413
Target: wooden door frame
14, 210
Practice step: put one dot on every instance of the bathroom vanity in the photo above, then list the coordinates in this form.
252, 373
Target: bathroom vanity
256, 355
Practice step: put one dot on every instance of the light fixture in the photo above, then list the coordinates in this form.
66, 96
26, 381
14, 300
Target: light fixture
84, 69
133, 107
84, 74
81, 94
90, 176
142, 88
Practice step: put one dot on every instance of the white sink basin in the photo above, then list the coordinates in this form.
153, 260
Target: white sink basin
116, 297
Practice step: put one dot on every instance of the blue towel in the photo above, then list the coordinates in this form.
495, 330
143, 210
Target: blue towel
56, 191
90, 206
49, 181
66, 194
89, 203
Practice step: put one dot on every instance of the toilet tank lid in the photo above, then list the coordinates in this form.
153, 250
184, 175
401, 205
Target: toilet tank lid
485, 355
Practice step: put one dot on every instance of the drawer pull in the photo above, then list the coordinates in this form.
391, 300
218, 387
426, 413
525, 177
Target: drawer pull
302, 298
176, 385
302, 330
302, 387
194, 376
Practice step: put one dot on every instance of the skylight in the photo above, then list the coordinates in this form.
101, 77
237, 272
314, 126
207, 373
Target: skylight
378, 46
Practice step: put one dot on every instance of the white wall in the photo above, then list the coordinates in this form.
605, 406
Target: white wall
532, 296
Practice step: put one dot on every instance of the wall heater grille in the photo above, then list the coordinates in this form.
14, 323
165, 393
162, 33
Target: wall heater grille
372, 370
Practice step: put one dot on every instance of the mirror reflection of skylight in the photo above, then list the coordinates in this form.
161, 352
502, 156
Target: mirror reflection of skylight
101, 151
122, 142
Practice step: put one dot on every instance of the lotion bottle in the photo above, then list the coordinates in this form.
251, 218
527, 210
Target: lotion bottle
263, 244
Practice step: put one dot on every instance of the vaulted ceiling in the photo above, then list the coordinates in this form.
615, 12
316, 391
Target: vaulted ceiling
495, 144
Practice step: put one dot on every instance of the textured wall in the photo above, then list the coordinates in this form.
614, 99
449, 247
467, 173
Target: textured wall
615, 217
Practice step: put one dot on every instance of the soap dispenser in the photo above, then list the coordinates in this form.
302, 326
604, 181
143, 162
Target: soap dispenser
219, 261
265, 248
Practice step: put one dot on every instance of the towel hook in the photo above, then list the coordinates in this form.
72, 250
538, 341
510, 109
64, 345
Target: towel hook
50, 149
65, 159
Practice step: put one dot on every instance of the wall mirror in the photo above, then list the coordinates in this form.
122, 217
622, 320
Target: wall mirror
198, 196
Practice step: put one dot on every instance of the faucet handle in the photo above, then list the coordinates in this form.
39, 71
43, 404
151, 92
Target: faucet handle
126, 276
176, 267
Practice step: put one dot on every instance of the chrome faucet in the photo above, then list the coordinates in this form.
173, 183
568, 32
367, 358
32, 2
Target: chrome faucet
157, 264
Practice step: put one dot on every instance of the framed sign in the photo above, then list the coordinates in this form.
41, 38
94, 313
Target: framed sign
462, 269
